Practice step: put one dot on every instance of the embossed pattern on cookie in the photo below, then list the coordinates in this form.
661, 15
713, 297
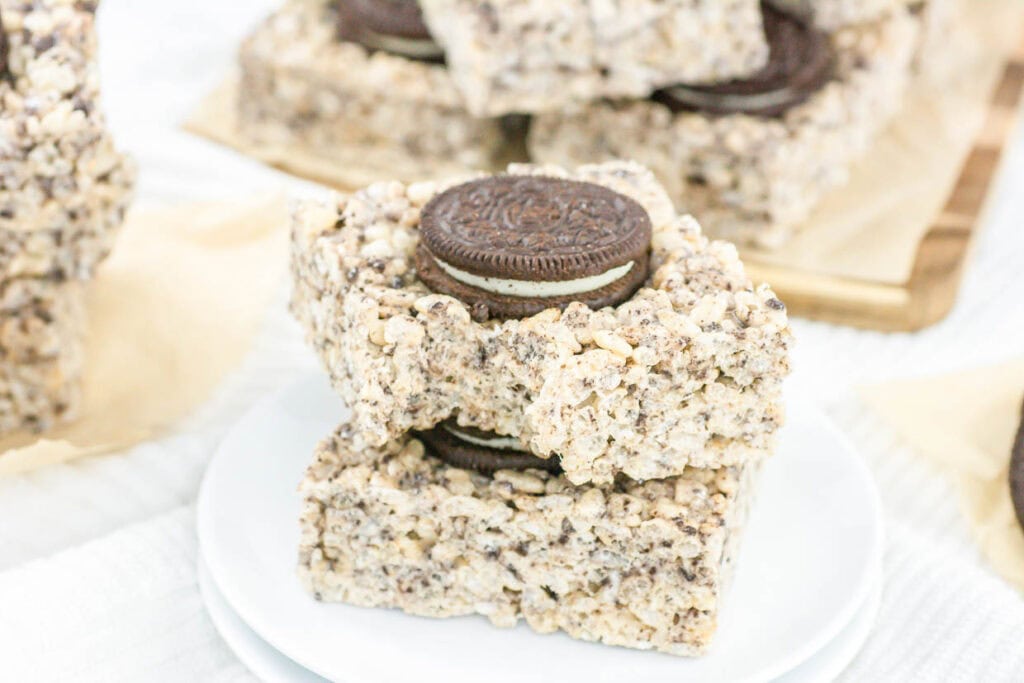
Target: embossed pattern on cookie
512, 246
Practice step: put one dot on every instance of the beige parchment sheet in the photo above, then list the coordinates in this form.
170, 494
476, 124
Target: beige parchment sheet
870, 230
172, 311
965, 423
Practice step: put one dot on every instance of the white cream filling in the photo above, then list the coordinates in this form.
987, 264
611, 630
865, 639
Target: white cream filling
500, 443
738, 102
419, 48
541, 289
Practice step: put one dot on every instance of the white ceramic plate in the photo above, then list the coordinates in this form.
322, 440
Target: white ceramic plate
273, 667
809, 560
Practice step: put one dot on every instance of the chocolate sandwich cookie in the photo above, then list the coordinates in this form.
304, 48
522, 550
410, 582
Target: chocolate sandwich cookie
1017, 471
801, 62
486, 452
511, 246
394, 26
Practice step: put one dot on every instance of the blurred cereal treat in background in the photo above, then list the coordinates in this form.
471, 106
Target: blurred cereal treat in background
317, 82
536, 55
64, 189
751, 158
936, 18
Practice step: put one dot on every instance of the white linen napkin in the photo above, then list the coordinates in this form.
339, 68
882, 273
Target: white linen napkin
122, 608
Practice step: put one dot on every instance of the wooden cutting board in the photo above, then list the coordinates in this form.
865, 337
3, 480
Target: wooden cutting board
930, 291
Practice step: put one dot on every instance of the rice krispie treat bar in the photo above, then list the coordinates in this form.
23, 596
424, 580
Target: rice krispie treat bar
686, 372
641, 565
41, 334
63, 185
536, 55
751, 177
64, 189
369, 113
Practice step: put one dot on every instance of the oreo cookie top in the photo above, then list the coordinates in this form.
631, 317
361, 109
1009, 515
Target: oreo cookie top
801, 62
1017, 472
394, 26
514, 245
486, 452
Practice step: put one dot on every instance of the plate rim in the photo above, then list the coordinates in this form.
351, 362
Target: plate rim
796, 404
208, 584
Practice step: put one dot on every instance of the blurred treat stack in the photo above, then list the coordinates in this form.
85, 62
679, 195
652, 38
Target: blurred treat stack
748, 111
64, 189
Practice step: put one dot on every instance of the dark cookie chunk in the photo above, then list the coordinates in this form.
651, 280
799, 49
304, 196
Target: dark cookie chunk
389, 25
800, 64
511, 246
466, 448
1017, 472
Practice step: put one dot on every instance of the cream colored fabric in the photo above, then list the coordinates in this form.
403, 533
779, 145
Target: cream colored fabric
966, 423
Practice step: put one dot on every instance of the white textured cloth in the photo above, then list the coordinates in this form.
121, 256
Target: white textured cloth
97, 557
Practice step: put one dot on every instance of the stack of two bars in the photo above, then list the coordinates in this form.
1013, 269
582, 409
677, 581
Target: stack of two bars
561, 394
63, 193
748, 111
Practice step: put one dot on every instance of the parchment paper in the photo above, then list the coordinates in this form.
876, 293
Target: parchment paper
966, 422
869, 230
172, 311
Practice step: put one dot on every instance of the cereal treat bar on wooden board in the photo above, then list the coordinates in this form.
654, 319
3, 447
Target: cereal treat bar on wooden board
313, 84
684, 369
41, 336
537, 55
640, 565
750, 159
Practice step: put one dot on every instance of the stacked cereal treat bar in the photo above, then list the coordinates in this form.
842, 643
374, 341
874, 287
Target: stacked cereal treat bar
361, 86
63, 193
561, 393
640, 564
751, 158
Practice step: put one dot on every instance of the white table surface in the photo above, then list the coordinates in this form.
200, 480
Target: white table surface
97, 557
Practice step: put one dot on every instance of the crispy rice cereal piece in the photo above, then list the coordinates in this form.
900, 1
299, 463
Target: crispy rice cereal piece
747, 178
41, 333
371, 115
687, 372
641, 565
537, 55
63, 185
